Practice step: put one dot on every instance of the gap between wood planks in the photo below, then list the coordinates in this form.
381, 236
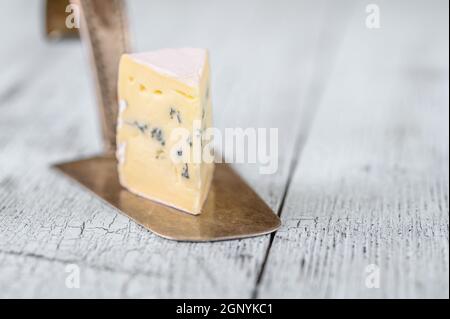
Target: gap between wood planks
322, 69
298, 147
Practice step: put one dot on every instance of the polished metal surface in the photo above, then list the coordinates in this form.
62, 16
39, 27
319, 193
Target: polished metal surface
232, 211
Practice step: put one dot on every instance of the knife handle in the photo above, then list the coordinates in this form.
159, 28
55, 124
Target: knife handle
104, 31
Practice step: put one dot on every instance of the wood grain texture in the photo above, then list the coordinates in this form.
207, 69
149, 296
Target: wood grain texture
371, 186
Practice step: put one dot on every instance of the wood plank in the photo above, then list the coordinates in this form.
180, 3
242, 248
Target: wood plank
371, 186
261, 76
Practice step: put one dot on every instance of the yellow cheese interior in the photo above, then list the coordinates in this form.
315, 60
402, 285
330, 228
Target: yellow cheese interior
152, 105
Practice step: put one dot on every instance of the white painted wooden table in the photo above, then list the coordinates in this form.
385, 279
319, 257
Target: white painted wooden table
363, 177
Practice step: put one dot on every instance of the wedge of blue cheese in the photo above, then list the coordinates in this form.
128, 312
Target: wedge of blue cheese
159, 92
